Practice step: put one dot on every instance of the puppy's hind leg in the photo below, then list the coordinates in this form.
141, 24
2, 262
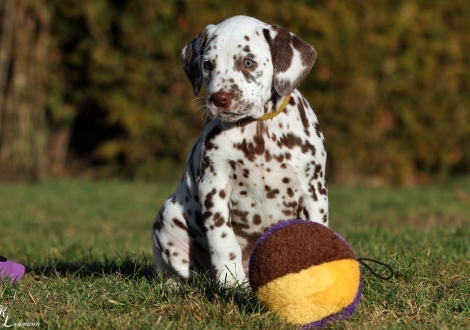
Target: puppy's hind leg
178, 249
161, 267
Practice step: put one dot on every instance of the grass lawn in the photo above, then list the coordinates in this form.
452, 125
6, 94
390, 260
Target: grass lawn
87, 248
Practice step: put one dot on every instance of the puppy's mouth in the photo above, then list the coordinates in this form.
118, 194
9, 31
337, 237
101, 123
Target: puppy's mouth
227, 115
231, 114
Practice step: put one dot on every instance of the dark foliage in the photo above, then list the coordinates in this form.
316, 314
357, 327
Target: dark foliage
390, 86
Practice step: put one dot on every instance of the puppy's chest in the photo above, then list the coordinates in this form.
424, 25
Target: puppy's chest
262, 172
264, 193
262, 179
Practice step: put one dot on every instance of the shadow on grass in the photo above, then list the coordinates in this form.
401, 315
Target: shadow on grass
240, 294
135, 268
92, 266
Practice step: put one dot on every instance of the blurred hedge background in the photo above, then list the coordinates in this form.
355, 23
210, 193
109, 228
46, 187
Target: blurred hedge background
94, 87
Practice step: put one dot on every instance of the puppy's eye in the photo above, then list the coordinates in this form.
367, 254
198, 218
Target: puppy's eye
208, 65
249, 64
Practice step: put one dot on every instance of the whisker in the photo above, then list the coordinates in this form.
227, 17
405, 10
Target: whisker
198, 103
199, 107
198, 98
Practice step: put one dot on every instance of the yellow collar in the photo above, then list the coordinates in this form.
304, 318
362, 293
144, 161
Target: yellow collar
271, 115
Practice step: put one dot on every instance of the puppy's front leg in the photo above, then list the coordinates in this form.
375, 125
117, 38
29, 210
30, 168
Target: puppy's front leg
225, 252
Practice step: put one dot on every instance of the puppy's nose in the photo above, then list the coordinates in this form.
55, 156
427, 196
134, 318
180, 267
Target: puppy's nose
220, 99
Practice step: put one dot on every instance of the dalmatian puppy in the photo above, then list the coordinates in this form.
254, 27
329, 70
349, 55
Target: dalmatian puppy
260, 158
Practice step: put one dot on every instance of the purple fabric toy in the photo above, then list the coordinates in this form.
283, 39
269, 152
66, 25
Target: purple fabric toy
10, 269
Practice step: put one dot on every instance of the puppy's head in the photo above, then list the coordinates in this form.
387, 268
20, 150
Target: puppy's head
243, 63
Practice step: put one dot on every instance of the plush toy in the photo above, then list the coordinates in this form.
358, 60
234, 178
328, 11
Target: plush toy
10, 269
306, 273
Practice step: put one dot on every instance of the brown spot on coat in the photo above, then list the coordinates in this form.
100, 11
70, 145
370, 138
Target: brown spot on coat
218, 220
251, 149
290, 141
208, 203
257, 219
158, 223
321, 189
233, 165
303, 118
180, 224
243, 216
307, 215
290, 192
279, 158
272, 193
289, 213
267, 156
313, 193
299, 207
209, 145
317, 129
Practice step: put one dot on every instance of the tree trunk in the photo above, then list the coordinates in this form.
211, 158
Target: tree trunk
24, 43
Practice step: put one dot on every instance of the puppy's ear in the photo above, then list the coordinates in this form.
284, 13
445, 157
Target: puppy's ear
292, 58
190, 59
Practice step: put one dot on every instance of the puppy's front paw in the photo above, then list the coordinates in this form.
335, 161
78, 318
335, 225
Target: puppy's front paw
232, 276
